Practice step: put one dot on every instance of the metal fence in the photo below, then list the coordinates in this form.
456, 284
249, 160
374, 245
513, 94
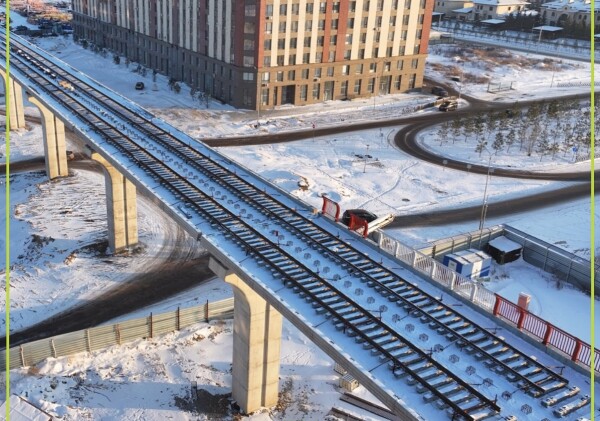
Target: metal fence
100, 337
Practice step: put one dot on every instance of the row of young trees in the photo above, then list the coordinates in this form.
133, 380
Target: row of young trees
544, 128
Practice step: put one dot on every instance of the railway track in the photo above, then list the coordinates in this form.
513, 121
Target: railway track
208, 186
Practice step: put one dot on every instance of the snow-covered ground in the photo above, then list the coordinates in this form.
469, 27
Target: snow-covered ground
144, 380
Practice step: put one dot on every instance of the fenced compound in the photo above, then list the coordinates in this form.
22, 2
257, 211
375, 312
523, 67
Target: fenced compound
499, 86
566, 266
101, 337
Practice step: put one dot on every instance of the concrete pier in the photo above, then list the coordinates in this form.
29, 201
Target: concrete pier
15, 97
55, 147
121, 207
256, 345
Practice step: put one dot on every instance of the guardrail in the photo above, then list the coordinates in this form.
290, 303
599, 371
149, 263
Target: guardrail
549, 334
100, 337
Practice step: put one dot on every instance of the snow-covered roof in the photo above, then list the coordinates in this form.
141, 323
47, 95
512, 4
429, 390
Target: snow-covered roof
464, 10
21, 410
501, 2
548, 28
504, 244
493, 21
571, 5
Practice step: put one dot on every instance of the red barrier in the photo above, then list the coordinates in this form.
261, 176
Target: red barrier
359, 224
576, 349
330, 208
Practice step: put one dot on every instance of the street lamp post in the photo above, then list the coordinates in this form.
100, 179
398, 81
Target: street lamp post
365, 167
484, 205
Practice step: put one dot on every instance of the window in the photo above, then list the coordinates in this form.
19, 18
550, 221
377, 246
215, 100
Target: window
295, 26
267, 61
264, 97
392, 20
414, 63
330, 71
398, 82
303, 92
316, 89
307, 41
280, 60
248, 76
365, 22
282, 26
279, 76
347, 54
321, 24
305, 58
309, 7
308, 25
249, 44
248, 61
348, 39
269, 10
388, 52
293, 42
344, 89
318, 72
411, 82
266, 77
283, 9
372, 67
295, 9
331, 56
322, 7
379, 5
267, 44
268, 27
351, 23
371, 85
353, 6
304, 73
250, 10
386, 66
334, 24
291, 75
319, 57
361, 53
333, 40
345, 69
280, 44
359, 69
336, 7
292, 59
357, 84
363, 37
366, 5
320, 41
405, 19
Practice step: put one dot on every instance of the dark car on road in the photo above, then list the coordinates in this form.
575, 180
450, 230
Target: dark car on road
139, 86
361, 213
439, 91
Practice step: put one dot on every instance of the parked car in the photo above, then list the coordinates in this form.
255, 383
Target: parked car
439, 91
361, 213
139, 86
448, 106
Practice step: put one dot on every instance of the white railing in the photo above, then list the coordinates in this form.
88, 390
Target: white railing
434, 270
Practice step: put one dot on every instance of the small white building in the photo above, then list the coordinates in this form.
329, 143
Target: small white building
496, 9
470, 263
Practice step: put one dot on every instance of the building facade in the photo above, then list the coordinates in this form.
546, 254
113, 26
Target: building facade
496, 9
262, 53
560, 12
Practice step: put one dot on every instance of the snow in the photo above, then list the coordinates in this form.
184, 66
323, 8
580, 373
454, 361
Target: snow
144, 379
504, 244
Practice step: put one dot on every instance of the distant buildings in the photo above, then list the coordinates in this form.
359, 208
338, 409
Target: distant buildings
563, 12
262, 53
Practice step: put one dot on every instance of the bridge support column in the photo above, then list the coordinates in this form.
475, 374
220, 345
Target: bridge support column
55, 147
121, 207
256, 345
15, 96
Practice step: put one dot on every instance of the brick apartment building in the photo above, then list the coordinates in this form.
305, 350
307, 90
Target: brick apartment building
261, 53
